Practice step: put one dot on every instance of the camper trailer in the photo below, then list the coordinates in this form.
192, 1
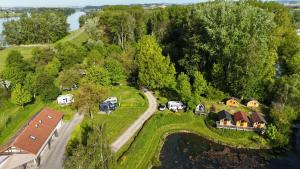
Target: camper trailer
113, 100
176, 106
65, 99
109, 105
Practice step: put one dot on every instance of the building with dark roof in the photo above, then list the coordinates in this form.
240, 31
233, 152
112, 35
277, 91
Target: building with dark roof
33, 139
225, 118
257, 120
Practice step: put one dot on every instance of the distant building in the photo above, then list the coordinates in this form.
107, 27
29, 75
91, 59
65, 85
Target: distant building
251, 103
29, 145
233, 102
200, 109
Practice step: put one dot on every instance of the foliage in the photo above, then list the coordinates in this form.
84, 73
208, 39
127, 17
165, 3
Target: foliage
116, 71
70, 54
43, 27
184, 87
95, 154
154, 70
88, 97
20, 96
69, 77
199, 84
42, 56
98, 75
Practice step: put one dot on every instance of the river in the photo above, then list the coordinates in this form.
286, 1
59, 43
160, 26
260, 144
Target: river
72, 20
190, 151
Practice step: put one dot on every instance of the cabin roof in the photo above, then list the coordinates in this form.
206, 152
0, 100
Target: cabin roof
241, 116
257, 117
224, 115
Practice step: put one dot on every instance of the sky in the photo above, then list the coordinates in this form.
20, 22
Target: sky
68, 3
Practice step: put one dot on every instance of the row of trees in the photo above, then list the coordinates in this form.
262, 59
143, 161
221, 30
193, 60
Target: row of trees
40, 27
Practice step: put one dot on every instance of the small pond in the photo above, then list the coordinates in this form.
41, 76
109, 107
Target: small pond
190, 151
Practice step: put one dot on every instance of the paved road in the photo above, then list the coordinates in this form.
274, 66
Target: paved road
122, 140
54, 158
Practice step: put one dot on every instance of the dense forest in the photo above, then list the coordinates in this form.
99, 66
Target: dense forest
211, 50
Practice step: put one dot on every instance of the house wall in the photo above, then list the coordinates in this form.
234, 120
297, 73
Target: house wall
232, 102
258, 125
253, 104
241, 124
225, 122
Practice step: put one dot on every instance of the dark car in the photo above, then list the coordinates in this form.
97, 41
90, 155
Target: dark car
162, 107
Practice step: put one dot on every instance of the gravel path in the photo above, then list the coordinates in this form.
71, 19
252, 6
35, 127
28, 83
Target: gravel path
123, 139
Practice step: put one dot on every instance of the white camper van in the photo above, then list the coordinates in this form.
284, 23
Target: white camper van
65, 99
113, 100
176, 105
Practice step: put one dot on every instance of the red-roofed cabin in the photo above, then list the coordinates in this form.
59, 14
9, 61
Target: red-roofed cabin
35, 137
241, 119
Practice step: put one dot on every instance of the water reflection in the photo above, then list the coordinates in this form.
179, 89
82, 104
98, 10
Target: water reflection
190, 151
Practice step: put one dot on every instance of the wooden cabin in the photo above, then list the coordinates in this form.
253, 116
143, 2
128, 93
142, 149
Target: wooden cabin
232, 102
225, 118
251, 103
241, 119
257, 120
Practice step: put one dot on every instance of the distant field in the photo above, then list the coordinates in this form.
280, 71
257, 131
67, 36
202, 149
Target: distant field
76, 37
26, 52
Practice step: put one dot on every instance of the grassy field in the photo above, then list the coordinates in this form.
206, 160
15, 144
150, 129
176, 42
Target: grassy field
144, 151
25, 51
76, 37
133, 104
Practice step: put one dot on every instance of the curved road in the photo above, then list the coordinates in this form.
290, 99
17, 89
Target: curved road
123, 139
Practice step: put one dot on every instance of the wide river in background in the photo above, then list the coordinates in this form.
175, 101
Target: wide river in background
190, 151
72, 20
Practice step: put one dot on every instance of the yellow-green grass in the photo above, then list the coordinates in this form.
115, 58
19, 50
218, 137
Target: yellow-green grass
144, 151
78, 37
25, 51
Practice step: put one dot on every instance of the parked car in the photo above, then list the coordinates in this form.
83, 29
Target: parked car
162, 107
176, 106
109, 105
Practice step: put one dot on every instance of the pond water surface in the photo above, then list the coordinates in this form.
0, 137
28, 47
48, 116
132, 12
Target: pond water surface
190, 151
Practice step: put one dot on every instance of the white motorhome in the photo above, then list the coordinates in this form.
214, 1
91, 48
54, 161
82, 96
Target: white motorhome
176, 105
113, 100
65, 99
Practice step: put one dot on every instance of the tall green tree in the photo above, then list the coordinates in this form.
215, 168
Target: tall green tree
154, 70
199, 84
20, 96
183, 87
88, 97
116, 71
98, 75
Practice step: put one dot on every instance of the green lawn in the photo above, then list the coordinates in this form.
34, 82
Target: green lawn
133, 104
144, 151
25, 51
78, 37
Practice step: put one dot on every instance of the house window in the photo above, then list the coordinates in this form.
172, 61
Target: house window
40, 121
49, 117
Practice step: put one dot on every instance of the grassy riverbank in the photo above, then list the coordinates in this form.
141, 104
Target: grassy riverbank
145, 149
